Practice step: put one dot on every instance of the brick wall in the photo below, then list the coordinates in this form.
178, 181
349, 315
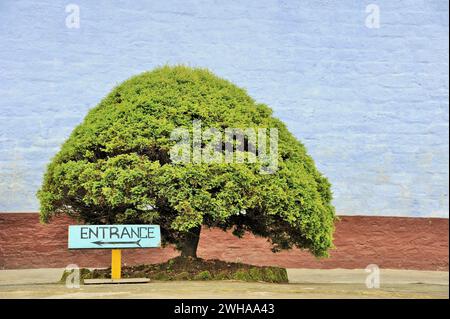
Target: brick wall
371, 105
389, 242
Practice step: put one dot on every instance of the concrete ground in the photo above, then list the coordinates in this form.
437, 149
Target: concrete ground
304, 283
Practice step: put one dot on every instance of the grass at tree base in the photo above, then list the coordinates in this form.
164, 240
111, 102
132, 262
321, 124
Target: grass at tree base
188, 268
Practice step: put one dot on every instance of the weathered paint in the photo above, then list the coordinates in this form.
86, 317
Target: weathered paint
371, 105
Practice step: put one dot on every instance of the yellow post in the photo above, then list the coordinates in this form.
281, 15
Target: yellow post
116, 263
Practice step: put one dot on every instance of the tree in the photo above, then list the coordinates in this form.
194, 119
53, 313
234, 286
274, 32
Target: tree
116, 167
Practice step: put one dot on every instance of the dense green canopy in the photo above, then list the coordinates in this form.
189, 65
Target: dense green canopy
115, 166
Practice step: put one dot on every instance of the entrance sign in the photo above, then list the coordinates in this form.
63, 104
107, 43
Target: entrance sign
114, 236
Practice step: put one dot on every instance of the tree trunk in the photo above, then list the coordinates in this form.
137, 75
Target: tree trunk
190, 243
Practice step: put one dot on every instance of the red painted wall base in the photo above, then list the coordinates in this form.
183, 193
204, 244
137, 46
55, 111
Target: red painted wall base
389, 242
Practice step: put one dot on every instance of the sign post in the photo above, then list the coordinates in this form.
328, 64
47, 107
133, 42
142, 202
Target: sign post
116, 238
116, 263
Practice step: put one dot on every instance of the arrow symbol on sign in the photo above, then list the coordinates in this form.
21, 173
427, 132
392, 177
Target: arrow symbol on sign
101, 243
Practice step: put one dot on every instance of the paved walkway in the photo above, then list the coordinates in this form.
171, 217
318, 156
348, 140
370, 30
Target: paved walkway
304, 283
358, 276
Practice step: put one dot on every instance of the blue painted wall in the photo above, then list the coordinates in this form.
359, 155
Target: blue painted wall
371, 105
